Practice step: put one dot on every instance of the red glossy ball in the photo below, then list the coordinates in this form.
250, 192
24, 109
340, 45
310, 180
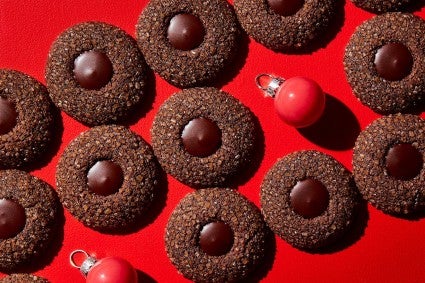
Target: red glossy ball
112, 270
299, 102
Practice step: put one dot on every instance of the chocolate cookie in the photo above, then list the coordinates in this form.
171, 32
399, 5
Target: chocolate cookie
285, 25
203, 136
107, 177
388, 164
96, 73
23, 278
308, 199
188, 43
215, 235
28, 215
26, 119
383, 6
384, 63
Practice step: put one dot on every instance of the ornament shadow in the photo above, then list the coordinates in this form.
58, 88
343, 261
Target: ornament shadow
144, 278
337, 129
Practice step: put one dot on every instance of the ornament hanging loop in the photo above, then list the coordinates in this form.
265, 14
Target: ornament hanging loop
269, 84
85, 266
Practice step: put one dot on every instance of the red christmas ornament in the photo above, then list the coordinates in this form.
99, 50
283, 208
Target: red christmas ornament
105, 270
298, 101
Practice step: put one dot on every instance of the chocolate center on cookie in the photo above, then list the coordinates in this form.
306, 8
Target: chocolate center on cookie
285, 7
201, 137
92, 69
105, 178
309, 198
393, 61
216, 238
12, 218
185, 32
404, 161
8, 116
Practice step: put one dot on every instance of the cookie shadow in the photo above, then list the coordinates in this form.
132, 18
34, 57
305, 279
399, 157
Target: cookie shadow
354, 234
54, 145
251, 168
146, 104
233, 68
330, 32
415, 6
261, 272
151, 213
142, 277
337, 129
414, 216
421, 106
49, 252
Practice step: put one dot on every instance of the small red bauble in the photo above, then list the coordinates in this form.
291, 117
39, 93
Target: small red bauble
298, 101
105, 270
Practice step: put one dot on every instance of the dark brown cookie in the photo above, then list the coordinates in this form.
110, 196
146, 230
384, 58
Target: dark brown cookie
188, 43
285, 25
388, 164
26, 119
203, 137
96, 73
23, 278
384, 63
28, 214
107, 177
383, 6
309, 199
215, 235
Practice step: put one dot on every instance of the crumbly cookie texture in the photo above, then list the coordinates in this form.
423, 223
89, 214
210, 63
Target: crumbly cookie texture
383, 6
23, 278
140, 177
41, 206
285, 33
119, 97
32, 135
318, 231
202, 65
381, 95
238, 136
389, 194
205, 206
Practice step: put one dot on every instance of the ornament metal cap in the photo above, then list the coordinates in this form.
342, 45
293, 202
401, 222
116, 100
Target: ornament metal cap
271, 87
86, 265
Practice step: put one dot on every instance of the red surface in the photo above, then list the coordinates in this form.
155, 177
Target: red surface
389, 250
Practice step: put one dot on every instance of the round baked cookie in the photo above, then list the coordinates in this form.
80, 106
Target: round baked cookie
96, 73
308, 199
285, 25
388, 164
23, 278
203, 137
26, 119
188, 42
107, 177
384, 63
383, 6
215, 235
29, 211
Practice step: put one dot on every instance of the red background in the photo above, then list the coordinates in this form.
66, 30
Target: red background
384, 249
